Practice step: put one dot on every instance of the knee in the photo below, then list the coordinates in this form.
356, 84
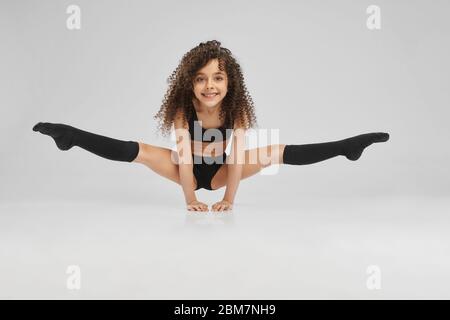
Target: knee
276, 153
142, 155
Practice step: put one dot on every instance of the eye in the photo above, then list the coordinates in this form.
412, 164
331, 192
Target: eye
201, 79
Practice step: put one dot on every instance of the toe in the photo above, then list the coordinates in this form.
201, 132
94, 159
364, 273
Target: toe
36, 126
379, 137
383, 136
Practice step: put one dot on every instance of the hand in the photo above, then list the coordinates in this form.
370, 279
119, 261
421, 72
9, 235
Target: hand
222, 205
197, 206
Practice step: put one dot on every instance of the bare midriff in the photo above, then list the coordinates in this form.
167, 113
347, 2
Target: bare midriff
208, 149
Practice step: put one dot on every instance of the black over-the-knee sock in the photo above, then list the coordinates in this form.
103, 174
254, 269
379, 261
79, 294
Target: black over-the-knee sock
351, 148
66, 137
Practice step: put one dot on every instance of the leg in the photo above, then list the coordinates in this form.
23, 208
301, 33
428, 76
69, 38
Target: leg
351, 148
163, 161
254, 163
66, 137
156, 158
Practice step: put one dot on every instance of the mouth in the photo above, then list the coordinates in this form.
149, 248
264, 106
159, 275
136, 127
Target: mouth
210, 96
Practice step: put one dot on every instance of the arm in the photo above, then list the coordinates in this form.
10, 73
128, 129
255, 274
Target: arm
185, 167
235, 166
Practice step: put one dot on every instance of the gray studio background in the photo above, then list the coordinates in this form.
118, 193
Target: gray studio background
315, 72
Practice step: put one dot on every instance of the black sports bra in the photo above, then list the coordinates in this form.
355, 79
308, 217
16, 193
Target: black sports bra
211, 133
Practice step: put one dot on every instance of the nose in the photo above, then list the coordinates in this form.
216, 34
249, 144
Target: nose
209, 84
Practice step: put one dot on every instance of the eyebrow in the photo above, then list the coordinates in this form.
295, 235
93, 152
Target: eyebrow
220, 72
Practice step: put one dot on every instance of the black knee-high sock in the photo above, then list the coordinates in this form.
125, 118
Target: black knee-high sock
67, 136
351, 148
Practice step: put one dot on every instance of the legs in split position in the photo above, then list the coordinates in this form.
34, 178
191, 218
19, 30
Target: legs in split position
160, 159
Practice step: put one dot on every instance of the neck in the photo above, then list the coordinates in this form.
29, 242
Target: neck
209, 110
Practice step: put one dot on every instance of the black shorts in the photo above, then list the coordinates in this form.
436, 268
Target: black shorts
205, 168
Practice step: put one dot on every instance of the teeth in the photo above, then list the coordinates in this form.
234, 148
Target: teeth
209, 95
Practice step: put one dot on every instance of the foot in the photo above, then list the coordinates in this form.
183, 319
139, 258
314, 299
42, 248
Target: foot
354, 146
61, 133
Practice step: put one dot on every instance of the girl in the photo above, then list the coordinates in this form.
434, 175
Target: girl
206, 100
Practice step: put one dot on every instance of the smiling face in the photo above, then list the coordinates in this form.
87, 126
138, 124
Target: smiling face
210, 84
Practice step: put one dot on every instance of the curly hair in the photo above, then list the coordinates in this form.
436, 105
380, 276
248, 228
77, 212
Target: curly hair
237, 105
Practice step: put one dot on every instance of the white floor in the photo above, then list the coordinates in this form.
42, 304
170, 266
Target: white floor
319, 249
